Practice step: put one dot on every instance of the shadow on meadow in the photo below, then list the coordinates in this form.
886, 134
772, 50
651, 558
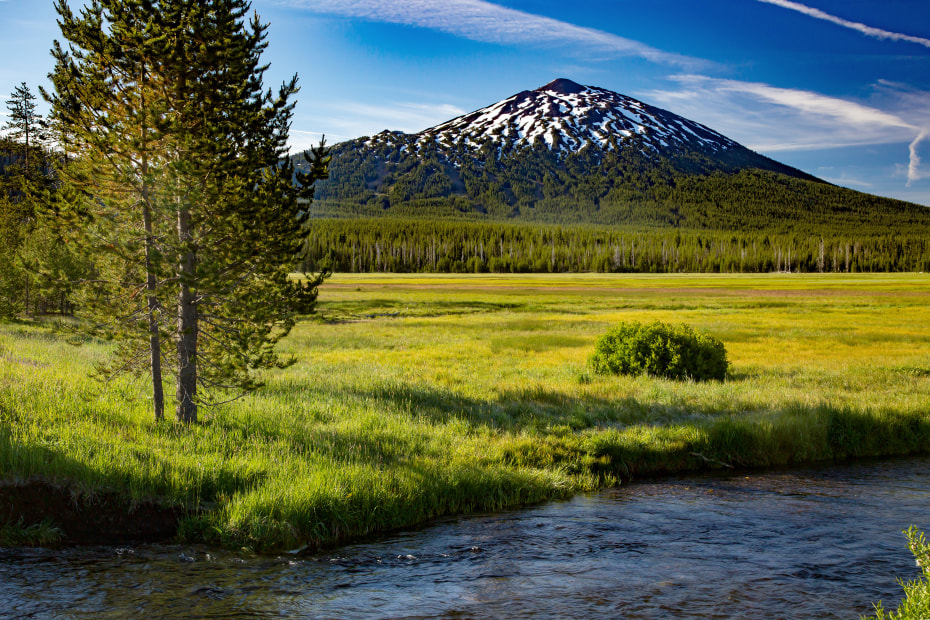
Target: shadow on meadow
618, 438
352, 311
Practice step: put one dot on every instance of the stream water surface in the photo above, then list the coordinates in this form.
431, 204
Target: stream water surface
814, 543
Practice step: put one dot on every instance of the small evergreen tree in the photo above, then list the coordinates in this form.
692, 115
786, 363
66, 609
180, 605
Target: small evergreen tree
25, 126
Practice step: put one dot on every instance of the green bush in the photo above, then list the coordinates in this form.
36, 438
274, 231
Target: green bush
662, 350
916, 603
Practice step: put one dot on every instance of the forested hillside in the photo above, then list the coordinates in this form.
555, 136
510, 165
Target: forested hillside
625, 186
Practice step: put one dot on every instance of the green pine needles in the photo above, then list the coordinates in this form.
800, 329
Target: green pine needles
661, 350
179, 187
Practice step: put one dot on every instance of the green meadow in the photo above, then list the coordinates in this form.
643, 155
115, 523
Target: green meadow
417, 396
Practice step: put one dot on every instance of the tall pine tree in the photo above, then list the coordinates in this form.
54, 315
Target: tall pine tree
180, 183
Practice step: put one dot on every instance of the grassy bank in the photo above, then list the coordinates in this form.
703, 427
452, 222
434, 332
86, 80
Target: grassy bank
419, 396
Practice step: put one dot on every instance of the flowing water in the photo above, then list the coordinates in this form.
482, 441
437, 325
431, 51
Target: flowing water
813, 543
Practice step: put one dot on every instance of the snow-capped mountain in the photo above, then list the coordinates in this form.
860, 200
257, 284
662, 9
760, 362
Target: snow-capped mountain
568, 116
562, 152
564, 118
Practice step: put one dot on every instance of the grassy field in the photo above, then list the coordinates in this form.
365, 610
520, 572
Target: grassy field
415, 396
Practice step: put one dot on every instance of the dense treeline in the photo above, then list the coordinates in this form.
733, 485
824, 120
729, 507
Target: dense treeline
625, 185
407, 245
37, 268
36, 265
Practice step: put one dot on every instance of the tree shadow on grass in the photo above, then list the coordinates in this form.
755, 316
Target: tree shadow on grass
618, 438
629, 436
85, 507
524, 433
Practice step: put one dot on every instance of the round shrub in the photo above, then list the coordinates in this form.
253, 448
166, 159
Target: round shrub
662, 350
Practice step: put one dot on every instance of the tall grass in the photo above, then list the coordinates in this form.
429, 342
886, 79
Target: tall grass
420, 396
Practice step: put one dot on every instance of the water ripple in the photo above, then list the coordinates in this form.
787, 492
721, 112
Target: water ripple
821, 542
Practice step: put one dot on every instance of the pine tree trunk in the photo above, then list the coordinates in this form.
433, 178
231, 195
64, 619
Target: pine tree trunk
158, 389
187, 326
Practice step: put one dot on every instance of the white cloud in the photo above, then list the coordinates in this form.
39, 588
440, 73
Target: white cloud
914, 173
408, 117
349, 119
914, 105
767, 118
483, 21
300, 141
877, 33
770, 119
845, 180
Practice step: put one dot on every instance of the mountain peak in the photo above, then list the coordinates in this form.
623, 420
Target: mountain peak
567, 117
561, 86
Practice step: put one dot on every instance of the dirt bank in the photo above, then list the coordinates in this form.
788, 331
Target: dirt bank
100, 518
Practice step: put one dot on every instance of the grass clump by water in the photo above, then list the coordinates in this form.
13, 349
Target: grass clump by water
916, 603
389, 421
661, 350
43, 534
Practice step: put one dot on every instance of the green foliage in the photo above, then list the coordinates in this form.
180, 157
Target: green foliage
660, 350
44, 534
12, 277
37, 265
916, 603
25, 127
179, 187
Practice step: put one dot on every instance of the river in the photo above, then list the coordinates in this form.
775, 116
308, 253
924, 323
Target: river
821, 542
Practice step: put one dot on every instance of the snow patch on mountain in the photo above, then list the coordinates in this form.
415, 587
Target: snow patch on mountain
567, 117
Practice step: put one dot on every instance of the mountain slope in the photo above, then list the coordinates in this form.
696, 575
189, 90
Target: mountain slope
571, 153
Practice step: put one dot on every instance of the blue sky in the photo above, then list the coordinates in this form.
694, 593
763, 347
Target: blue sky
838, 88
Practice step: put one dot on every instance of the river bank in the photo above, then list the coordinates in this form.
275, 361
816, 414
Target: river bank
815, 542
416, 397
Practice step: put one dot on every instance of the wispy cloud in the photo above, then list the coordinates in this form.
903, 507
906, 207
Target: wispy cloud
843, 178
300, 141
869, 31
915, 105
403, 116
349, 119
771, 119
914, 173
483, 21
768, 118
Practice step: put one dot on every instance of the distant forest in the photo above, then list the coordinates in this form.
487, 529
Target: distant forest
417, 245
